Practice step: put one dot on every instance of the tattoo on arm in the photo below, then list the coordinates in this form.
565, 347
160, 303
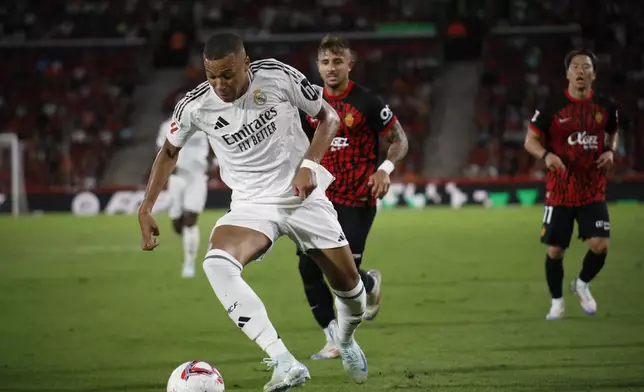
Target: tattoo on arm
396, 142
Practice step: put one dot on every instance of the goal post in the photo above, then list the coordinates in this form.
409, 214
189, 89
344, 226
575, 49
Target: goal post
10, 143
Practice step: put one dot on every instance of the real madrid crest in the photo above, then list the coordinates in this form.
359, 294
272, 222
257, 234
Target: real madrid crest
259, 97
348, 120
599, 117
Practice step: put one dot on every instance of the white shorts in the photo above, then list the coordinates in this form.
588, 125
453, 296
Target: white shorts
188, 194
311, 225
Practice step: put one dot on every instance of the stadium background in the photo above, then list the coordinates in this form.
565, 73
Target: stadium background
85, 85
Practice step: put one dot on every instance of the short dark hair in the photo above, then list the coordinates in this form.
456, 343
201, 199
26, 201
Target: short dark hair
333, 43
580, 52
221, 45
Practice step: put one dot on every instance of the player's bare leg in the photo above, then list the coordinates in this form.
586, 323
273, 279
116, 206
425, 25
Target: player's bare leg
231, 248
554, 277
191, 236
350, 301
592, 264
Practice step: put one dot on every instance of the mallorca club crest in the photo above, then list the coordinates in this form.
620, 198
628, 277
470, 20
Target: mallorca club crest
599, 117
543, 231
349, 120
259, 97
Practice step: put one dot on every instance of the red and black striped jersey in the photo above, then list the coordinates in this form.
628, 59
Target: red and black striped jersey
575, 131
353, 154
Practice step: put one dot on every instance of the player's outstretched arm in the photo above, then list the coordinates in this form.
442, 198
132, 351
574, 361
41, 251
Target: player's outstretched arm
161, 169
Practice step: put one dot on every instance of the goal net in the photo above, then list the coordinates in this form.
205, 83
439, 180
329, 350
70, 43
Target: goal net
13, 198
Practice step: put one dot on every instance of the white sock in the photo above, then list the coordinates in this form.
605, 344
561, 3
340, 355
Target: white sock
350, 306
557, 301
190, 244
242, 304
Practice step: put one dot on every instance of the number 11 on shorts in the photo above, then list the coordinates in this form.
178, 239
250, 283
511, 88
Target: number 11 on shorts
547, 214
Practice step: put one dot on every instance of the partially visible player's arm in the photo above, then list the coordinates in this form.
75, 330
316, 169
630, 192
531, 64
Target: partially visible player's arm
533, 144
177, 133
162, 167
397, 143
611, 143
329, 123
382, 121
612, 130
309, 99
537, 131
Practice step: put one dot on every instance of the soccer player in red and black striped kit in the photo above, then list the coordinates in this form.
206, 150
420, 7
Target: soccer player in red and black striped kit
575, 132
367, 127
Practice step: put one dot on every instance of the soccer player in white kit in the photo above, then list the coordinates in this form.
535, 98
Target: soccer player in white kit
188, 189
249, 111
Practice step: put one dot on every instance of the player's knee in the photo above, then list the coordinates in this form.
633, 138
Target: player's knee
598, 245
190, 219
219, 264
556, 252
309, 271
177, 225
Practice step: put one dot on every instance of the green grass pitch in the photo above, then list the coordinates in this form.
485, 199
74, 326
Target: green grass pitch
82, 309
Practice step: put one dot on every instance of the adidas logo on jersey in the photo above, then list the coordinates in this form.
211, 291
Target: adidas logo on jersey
221, 122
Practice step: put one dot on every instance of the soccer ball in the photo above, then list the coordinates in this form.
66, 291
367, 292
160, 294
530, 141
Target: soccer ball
195, 376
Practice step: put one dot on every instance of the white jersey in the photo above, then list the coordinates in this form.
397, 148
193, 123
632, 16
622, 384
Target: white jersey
195, 151
258, 138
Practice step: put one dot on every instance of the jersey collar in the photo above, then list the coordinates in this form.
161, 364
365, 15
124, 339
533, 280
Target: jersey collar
341, 96
573, 99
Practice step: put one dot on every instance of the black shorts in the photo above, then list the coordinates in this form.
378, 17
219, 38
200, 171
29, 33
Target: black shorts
559, 221
356, 223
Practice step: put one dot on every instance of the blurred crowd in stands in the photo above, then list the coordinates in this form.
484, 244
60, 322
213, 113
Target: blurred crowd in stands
260, 17
72, 105
73, 19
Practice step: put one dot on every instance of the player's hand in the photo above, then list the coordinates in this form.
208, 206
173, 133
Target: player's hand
553, 162
304, 183
149, 230
605, 161
379, 183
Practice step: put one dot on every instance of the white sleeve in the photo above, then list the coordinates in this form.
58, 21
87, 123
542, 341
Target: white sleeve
300, 92
181, 127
